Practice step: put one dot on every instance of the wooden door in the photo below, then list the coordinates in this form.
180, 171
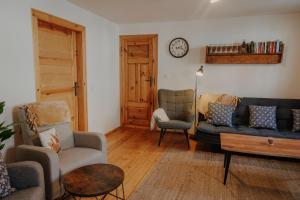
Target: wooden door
138, 79
58, 67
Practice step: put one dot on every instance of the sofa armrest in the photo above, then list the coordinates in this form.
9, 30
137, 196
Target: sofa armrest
26, 174
90, 140
49, 161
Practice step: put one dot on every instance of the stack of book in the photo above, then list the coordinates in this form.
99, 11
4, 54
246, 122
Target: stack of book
270, 47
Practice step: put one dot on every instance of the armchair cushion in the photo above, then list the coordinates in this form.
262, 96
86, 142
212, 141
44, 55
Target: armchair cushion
28, 178
33, 193
175, 124
76, 157
188, 117
64, 133
25, 174
176, 103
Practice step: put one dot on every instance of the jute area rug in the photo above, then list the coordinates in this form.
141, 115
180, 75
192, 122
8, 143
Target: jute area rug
197, 174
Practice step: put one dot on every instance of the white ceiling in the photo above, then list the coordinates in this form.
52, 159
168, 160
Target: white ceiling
138, 11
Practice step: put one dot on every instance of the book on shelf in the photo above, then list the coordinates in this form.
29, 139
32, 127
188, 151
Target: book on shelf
270, 47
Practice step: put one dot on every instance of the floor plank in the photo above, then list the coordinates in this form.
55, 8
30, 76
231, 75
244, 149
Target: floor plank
136, 152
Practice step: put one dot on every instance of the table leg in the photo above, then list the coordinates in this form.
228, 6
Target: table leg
116, 193
228, 158
103, 197
123, 191
225, 158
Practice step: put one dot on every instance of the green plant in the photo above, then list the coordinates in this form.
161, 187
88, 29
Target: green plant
5, 130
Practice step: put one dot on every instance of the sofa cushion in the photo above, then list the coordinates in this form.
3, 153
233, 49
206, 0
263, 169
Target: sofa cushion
76, 157
219, 114
296, 121
284, 113
206, 127
175, 124
262, 117
211, 129
64, 133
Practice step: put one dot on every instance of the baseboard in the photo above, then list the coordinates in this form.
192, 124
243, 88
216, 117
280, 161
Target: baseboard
136, 126
111, 131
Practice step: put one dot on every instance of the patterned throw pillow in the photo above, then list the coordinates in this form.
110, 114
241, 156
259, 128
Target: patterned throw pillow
220, 114
49, 139
263, 117
5, 188
296, 115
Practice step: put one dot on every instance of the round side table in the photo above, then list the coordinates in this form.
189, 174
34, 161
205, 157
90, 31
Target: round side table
98, 180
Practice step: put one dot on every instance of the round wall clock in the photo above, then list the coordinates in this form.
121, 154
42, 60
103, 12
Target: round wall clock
179, 47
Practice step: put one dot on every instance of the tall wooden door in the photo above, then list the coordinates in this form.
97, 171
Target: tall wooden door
56, 66
138, 79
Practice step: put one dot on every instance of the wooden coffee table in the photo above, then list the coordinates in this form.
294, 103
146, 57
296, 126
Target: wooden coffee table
236, 143
95, 180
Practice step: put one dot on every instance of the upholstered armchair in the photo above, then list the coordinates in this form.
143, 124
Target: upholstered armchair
77, 149
178, 106
28, 180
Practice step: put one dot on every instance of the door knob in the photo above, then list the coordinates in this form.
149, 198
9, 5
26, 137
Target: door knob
150, 80
76, 86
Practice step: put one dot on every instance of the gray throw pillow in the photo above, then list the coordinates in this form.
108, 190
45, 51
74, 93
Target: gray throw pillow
220, 115
262, 117
296, 115
5, 188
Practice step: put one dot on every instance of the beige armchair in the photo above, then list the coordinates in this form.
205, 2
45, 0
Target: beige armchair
77, 149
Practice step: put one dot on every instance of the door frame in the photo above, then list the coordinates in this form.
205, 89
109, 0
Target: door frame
123, 93
80, 57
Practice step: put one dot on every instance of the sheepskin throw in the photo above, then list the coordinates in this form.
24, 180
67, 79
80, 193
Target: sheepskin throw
224, 99
46, 113
229, 100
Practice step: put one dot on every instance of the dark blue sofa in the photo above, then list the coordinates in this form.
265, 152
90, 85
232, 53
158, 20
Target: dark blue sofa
208, 133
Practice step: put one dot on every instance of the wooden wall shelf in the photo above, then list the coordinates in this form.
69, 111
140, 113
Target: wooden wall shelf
239, 58
243, 58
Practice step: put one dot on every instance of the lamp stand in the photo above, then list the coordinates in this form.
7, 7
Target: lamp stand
195, 102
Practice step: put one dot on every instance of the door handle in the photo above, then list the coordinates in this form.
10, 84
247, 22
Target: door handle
150, 80
76, 86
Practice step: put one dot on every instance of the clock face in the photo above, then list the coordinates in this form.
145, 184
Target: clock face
178, 47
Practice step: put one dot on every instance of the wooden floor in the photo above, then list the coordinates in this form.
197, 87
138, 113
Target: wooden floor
171, 171
136, 152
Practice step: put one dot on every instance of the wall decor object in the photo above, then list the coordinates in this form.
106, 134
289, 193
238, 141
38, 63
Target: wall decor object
270, 52
178, 47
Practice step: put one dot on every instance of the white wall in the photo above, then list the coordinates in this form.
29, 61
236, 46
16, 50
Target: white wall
280, 80
17, 79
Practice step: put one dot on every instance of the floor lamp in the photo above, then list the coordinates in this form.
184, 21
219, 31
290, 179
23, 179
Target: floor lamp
199, 73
